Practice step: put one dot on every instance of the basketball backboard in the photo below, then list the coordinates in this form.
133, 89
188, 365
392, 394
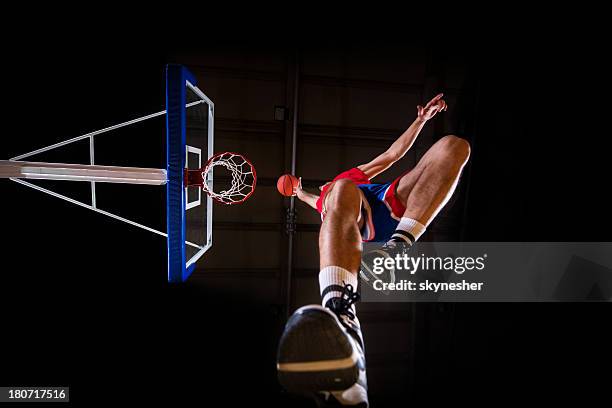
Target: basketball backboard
190, 138
189, 121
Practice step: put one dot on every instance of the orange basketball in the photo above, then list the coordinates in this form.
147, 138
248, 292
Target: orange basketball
286, 184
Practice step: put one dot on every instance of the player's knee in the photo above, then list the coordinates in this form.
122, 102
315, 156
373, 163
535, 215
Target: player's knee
344, 188
455, 147
342, 192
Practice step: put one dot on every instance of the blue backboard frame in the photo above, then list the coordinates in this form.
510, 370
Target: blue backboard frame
178, 81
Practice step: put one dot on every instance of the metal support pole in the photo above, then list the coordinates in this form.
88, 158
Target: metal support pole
81, 172
92, 162
291, 215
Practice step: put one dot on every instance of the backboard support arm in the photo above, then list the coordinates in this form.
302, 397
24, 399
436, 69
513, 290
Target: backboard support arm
82, 172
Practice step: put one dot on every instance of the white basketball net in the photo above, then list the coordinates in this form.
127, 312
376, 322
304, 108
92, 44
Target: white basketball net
243, 178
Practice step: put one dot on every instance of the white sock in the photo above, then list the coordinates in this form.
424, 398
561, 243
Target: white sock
334, 276
408, 230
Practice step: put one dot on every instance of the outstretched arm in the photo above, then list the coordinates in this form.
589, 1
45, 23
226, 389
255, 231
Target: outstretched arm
305, 196
399, 148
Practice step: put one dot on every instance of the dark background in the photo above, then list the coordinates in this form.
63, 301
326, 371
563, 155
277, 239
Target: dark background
85, 301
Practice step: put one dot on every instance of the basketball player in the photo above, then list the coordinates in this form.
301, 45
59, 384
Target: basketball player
321, 351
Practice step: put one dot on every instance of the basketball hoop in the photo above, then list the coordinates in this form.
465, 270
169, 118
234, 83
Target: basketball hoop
244, 178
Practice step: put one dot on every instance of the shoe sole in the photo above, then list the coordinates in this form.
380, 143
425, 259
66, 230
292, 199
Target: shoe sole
316, 353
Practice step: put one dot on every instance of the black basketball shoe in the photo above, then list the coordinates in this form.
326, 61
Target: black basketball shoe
321, 353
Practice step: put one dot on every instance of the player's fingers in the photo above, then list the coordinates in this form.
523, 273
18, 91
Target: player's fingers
434, 100
437, 97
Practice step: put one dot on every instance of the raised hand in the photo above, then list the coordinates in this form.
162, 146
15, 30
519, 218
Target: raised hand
305, 196
437, 104
297, 191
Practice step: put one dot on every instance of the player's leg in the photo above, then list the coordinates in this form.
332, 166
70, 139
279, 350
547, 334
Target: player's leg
321, 350
339, 238
426, 189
